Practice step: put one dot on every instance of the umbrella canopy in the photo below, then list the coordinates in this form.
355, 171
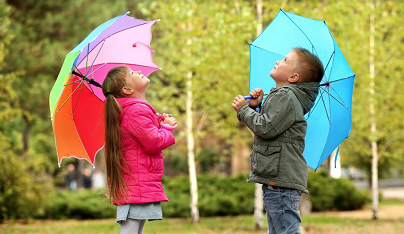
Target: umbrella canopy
76, 100
329, 121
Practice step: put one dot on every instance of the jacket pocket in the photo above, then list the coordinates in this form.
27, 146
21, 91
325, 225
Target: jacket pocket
265, 160
150, 163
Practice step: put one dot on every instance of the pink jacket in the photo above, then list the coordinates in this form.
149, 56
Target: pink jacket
143, 141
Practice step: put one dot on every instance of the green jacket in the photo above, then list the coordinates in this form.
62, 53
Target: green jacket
279, 131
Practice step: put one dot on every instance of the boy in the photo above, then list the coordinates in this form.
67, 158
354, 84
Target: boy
279, 129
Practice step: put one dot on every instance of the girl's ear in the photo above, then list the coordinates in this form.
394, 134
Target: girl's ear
127, 91
294, 78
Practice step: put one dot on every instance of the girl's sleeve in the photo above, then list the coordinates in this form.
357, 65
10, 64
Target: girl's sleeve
279, 116
151, 138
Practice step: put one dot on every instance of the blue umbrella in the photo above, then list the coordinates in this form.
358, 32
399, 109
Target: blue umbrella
329, 121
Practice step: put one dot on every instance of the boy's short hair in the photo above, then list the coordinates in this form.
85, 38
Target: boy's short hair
309, 66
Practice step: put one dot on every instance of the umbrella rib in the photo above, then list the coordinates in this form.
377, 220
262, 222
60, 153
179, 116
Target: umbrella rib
311, 110
81, 90
87, 71
69, 96
301, 31
97, 69
327, 83
329, 127
329, 60
334, 97
72, 82
88, 48
89, 81
146, 22
340, 98
267, 50
325, 107
103, 42
78, 69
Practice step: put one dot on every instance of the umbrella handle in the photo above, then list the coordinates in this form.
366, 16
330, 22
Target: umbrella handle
251, 97
169, 127
166, 126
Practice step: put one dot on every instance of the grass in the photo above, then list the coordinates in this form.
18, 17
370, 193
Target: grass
324, 222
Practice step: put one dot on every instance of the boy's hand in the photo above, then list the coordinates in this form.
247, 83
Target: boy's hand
257, 92
238, 102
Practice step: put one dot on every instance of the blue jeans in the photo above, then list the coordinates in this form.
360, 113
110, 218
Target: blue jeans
282, 207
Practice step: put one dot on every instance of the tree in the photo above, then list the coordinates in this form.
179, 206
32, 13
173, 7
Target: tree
387, 83
258, 200
193, 183
199, 54
44, 32
19, 190
373, 125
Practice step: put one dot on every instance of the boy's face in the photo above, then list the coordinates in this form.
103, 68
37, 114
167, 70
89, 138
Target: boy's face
283, 72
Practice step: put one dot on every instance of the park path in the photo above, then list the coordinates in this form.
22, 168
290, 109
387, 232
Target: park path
391, 221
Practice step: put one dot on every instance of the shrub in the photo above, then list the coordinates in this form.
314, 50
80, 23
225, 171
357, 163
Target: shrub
217, 196
83, 204
327, 193
20, 194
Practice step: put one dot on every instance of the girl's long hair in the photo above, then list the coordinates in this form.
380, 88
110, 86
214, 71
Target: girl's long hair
114, 160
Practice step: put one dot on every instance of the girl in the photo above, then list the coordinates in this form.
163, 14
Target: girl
134, 140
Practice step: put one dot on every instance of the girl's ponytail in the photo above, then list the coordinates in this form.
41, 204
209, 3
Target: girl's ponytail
114, 160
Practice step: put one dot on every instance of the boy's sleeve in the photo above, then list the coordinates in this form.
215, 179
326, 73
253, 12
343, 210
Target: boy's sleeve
278, 117
151, 138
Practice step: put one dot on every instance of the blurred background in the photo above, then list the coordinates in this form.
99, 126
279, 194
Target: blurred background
207, 41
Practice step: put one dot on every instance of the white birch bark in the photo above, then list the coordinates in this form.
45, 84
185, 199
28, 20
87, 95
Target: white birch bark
190, 138
258, 200
373, 127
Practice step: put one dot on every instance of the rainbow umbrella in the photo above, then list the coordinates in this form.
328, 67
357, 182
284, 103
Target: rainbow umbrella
76, 100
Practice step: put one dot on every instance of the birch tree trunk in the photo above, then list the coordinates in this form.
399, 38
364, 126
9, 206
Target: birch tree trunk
373, 127
258, 201
190, 138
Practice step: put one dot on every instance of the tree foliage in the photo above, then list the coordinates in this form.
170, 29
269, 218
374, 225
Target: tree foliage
389, 83
35, 35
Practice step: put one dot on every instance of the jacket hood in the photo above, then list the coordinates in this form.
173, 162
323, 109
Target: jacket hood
130, 101
306, 92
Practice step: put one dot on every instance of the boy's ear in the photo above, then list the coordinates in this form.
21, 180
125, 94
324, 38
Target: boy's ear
294, 78
127, 90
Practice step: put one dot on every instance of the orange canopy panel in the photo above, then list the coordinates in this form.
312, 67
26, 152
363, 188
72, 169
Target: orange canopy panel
78, 124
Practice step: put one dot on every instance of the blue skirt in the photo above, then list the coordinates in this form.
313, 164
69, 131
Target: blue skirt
150, 211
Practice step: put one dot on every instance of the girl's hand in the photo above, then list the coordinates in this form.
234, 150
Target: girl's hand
169, 120
167, 115
257, 92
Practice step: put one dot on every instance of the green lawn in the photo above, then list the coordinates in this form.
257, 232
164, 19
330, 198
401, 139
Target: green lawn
391, 221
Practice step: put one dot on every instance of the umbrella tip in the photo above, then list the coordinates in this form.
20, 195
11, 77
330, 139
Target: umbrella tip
160, 68
127, 13
158, 19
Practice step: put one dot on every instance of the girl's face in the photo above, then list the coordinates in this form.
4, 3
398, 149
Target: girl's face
136, 81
